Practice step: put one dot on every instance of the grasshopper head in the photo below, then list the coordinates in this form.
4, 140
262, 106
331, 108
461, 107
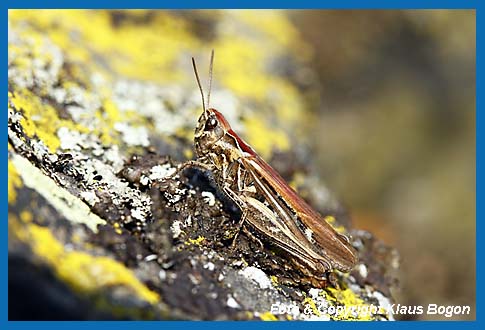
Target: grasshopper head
212, 126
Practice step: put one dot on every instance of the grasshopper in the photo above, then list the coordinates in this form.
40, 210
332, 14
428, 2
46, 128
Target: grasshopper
268, 204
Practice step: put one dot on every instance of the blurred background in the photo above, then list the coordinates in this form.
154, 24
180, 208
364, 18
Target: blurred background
386, 100
395, 137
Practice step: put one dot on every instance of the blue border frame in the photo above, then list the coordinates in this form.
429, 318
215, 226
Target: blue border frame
209, 4
269, 4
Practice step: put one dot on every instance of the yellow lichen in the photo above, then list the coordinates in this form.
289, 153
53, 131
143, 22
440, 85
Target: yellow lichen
277, 27
109, 115
240, 68
26, 216
313, 306
117, 228
196, 241
188, 153
268, 316
41, 119
265, 139
288, 103
142, 51
14, 182
297, 181
146, 45
83, 272
349, 299
332, 221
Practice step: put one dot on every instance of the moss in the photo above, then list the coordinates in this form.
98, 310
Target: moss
81, 271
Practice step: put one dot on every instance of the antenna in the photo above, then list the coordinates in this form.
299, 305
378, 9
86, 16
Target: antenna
198, 83
210, 77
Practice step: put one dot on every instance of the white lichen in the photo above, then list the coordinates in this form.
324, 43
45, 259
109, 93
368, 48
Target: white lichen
256, 275
42, 70
210, 266
188, 223
314, 293
113, 157
119, 190
209, 198
160, 172
133, 136
70, 140
384, 305
232, 303
138, 214
144, 180
362, 270
148, 99
176, 228
90, 197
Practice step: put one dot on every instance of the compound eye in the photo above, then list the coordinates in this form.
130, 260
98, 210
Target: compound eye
210, 124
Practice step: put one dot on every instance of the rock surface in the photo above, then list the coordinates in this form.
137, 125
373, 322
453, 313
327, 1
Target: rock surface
102, 108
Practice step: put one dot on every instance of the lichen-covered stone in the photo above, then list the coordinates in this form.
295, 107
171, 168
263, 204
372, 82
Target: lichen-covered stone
102, 107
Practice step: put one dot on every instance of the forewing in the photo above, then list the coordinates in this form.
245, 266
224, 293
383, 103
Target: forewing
332, 246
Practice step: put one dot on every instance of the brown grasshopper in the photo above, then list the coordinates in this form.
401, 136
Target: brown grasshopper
268, 204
